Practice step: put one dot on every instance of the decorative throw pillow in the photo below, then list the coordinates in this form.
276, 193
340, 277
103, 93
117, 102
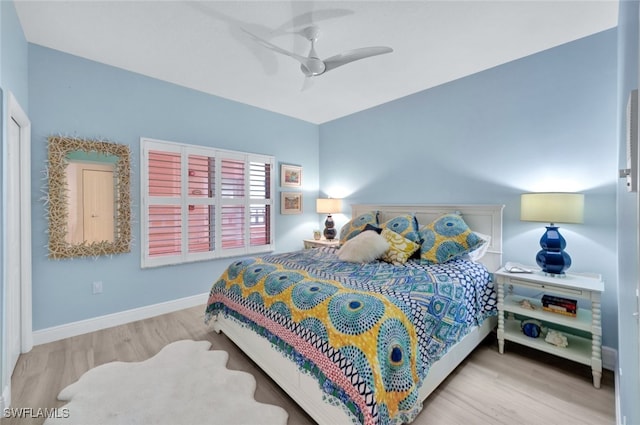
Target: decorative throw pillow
478, 252
405, 225
400, 248
357, 225
363, 248
446, 238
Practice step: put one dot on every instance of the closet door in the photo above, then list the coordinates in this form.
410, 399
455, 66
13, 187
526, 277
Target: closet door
97, 198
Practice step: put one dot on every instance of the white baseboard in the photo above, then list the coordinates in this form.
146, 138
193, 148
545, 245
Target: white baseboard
609, 358
68, 330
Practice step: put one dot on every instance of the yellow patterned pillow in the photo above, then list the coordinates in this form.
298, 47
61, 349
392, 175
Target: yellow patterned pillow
400, 248
446, 238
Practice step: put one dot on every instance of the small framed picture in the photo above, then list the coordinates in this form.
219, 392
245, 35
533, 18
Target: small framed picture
290, 175
290, 203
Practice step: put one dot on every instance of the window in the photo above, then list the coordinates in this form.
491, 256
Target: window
202, 203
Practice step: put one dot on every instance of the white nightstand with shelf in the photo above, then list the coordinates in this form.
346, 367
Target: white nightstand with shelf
313, 243
585, 350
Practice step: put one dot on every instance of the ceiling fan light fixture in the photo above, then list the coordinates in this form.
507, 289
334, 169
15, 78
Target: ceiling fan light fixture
313, 67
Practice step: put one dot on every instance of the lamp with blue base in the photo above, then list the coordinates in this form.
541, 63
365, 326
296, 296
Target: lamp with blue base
551, 208
329, 206
552, 258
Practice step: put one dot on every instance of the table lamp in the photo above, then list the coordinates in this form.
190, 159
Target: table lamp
328, 206
552, 208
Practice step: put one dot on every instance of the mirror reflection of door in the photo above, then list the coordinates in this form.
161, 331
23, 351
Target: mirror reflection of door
91, 202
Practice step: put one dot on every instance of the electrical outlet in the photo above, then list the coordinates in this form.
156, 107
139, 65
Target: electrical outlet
97, 287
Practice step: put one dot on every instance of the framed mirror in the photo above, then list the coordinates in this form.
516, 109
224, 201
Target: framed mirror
89, 201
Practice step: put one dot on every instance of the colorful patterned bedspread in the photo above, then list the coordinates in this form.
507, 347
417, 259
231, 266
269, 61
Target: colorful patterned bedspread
367, 332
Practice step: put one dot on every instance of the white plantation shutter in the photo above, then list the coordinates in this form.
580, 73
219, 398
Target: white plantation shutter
201, 192
232, 198
164, 212
260, 208
202, 203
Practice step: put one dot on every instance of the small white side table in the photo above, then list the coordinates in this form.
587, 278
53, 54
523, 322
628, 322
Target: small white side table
312, 243
587, 351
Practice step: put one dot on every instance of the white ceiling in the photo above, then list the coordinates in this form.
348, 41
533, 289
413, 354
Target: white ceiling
201, 45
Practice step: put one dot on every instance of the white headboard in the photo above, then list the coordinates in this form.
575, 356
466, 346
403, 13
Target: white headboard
485, 219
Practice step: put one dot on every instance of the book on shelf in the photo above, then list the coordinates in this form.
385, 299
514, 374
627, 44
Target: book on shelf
560, 305
560, 310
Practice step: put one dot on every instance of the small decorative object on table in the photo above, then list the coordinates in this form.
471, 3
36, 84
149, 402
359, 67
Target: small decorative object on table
516, 268
525, 303
531, 328
317, 234
556, 338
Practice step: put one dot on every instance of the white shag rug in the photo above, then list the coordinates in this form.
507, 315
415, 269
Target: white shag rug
184, 383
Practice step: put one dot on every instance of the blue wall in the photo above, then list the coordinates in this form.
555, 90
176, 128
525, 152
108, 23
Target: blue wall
13, 55
546, 122
77, 97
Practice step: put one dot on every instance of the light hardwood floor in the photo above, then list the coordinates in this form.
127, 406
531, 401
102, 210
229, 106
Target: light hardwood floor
521, 386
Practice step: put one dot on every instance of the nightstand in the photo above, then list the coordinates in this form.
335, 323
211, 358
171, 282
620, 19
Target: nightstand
312, 243
582, 349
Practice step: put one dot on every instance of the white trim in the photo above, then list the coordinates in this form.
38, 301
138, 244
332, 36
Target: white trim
609, 358
68, 330
16, 112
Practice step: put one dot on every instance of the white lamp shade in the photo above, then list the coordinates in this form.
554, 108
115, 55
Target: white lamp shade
328, 205
552, 207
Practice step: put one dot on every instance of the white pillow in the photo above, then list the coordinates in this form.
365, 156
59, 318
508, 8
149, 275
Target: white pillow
363, 248
479, 252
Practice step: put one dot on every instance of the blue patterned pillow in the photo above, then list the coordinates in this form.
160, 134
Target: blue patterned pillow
446, 238
404, 225
356, 226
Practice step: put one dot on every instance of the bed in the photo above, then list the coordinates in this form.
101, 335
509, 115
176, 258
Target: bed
380, 366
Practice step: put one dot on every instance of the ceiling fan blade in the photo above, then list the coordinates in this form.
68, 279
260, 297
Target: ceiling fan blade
310, 18
307, 83
303, 60
354, 55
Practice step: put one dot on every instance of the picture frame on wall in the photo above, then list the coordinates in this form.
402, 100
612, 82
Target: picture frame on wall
290, 175
290, 203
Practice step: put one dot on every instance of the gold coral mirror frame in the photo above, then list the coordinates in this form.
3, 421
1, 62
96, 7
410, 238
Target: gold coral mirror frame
58, 208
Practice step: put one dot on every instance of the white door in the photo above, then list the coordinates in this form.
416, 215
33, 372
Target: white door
17, 248
97, 193
90, 201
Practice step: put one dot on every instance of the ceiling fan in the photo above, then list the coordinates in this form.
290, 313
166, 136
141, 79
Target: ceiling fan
312, 65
